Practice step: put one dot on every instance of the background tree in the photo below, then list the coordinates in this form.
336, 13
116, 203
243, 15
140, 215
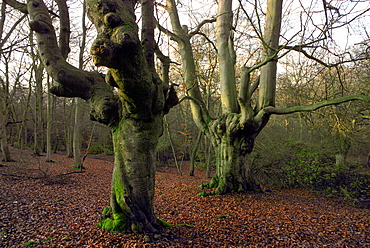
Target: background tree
243, 117
77, 123
7, 45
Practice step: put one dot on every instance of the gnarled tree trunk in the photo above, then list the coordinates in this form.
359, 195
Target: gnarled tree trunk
232, 141
132, 195
135, 113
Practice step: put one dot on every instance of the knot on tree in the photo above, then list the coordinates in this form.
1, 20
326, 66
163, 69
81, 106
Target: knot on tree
105, 6
126, 38
171, 100
39, 27
112, 20
104, 53
105, 111
247, 145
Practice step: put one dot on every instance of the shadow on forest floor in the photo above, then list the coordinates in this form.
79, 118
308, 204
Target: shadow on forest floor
64, 214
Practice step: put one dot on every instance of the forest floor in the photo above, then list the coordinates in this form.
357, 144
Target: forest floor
41, 205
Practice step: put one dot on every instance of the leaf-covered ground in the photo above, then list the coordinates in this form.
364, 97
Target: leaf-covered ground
41, 205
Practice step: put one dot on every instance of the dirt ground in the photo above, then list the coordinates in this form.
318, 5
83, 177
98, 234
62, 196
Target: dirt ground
51, 205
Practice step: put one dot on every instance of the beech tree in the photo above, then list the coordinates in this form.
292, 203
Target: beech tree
246, 109
130, 99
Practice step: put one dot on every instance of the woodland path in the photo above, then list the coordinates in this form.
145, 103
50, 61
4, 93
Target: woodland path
43, 208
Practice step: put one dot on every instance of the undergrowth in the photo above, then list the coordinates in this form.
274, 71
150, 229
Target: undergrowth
299, 165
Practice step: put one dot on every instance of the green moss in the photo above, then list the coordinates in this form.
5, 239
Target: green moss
212, 184
126, 25
118, 189
222, 216
117, 224
29, 243
107, 211
190, 226
203, 194
137, 227
166, 224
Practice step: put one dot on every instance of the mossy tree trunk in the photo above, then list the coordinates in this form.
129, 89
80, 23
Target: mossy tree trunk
134, 113
134, 176
233, 141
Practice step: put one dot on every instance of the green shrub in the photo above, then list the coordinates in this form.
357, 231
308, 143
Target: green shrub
97, 149
299, 165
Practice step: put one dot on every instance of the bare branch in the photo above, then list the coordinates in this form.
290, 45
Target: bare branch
313, 107
11, 30
17, 5
244, 99
300, 48
200, 25
65, 30
201, 104
209, 40
22, 7
254, 86
172, 35
73, 82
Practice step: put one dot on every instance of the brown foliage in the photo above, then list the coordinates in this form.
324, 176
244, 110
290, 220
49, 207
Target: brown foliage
41, 202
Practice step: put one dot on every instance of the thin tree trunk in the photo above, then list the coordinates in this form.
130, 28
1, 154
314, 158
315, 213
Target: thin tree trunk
48, 123
67, 130
3, 121
77, 124
172, 146
4, 144
38, 125
77, 136
194, 153
226, 56
209, 155
88, 146
270, 47
22, 136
